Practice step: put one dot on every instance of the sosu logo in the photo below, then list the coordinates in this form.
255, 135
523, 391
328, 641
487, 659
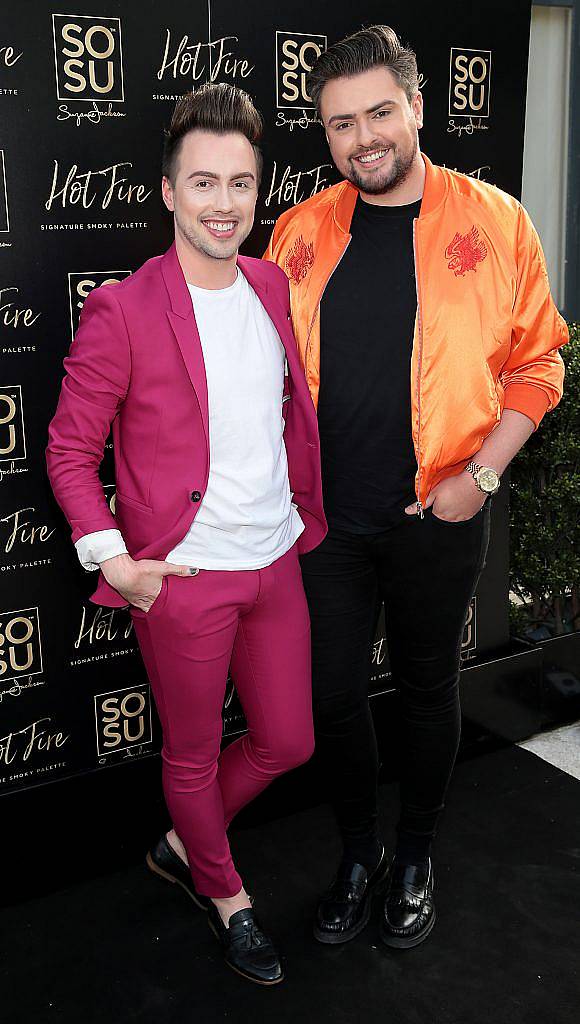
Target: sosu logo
12, 442
81, 285
469, 84
88, 58
18, 650
296, 54
4, 219
125, 719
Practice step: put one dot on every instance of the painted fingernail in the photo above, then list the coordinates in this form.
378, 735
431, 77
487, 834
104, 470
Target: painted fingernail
193, 571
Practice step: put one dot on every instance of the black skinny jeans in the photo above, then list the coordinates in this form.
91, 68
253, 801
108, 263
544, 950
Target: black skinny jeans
426, 571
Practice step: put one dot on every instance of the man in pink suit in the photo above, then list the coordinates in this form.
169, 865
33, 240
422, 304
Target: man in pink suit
193, 362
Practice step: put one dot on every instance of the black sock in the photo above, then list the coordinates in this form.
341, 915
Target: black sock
365, 851
412, 848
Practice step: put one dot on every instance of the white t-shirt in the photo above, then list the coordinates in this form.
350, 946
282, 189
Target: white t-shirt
246, 519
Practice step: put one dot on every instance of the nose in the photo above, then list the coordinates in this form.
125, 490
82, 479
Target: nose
224, 199
365, 136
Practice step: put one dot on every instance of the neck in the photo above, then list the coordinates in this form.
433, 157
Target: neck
202, 270
409, 191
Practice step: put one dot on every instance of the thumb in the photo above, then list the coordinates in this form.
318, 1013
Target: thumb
168, 569
429, 500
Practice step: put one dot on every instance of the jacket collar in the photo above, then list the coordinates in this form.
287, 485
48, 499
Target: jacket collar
177, 286
433, 195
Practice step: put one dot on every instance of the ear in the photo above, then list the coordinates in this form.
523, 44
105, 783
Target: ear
417, 108
167, 193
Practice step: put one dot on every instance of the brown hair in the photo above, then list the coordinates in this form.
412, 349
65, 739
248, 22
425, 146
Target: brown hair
376, 46
214, 107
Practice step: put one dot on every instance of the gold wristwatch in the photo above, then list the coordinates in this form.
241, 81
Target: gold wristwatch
486, 479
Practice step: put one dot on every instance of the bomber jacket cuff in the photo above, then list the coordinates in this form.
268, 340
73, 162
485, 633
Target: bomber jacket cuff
533, 402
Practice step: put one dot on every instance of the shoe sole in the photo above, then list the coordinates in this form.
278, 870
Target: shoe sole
336, 938
396, 942
171, 878
248, 977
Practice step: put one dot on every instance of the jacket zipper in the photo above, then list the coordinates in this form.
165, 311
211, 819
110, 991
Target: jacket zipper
420, 511
320, 300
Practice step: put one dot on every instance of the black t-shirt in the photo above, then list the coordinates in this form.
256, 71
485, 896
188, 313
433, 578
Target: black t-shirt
367, 318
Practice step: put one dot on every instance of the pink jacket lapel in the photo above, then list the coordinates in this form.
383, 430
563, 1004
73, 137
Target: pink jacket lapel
182, 320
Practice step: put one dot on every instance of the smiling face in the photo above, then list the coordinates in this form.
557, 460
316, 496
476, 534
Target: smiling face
214, 194
372, 129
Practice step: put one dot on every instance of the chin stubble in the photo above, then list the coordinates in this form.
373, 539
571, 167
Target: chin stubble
391, 179
204, 245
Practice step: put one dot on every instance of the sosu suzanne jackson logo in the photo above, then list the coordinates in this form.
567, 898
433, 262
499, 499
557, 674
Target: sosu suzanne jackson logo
88, 60
4, 215
469, 90
20, 647
296, 54
123, 722
12, 434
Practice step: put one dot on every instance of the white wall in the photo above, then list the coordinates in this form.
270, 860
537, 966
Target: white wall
546, 135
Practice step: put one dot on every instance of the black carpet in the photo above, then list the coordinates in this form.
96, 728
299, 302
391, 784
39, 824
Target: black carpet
128, 948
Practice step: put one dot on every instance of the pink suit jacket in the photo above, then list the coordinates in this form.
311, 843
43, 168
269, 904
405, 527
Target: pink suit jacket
136, 363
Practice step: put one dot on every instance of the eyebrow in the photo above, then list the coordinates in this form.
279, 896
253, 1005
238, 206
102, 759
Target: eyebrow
212, 174
371, 110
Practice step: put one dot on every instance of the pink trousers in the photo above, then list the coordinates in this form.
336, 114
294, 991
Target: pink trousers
257, 621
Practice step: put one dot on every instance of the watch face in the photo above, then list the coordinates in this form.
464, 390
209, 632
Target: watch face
487, 480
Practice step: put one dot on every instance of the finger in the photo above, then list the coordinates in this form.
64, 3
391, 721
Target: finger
168, 569
429, 500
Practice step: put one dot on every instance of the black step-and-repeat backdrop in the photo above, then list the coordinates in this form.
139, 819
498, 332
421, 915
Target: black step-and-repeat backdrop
85, 91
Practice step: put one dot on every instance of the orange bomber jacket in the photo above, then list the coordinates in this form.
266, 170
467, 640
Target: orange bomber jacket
486, 333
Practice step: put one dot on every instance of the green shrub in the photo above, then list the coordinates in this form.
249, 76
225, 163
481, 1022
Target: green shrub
545, 511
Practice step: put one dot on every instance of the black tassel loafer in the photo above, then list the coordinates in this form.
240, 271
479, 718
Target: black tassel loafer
345, 908
163, 861
247, 949
409, 910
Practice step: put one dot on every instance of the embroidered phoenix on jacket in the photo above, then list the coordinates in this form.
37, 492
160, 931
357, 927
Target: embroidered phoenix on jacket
465, 252
299, 259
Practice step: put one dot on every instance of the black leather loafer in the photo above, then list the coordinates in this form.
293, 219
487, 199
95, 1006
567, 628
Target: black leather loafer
345, 908
409, 911
247, 949
165, 862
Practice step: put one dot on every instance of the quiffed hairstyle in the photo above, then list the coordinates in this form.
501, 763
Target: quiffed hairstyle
376, 46
214, 107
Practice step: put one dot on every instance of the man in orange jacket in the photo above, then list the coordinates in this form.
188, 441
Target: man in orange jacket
429, 340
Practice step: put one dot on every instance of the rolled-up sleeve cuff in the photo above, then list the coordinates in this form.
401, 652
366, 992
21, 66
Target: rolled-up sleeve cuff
533, 402
94, 548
